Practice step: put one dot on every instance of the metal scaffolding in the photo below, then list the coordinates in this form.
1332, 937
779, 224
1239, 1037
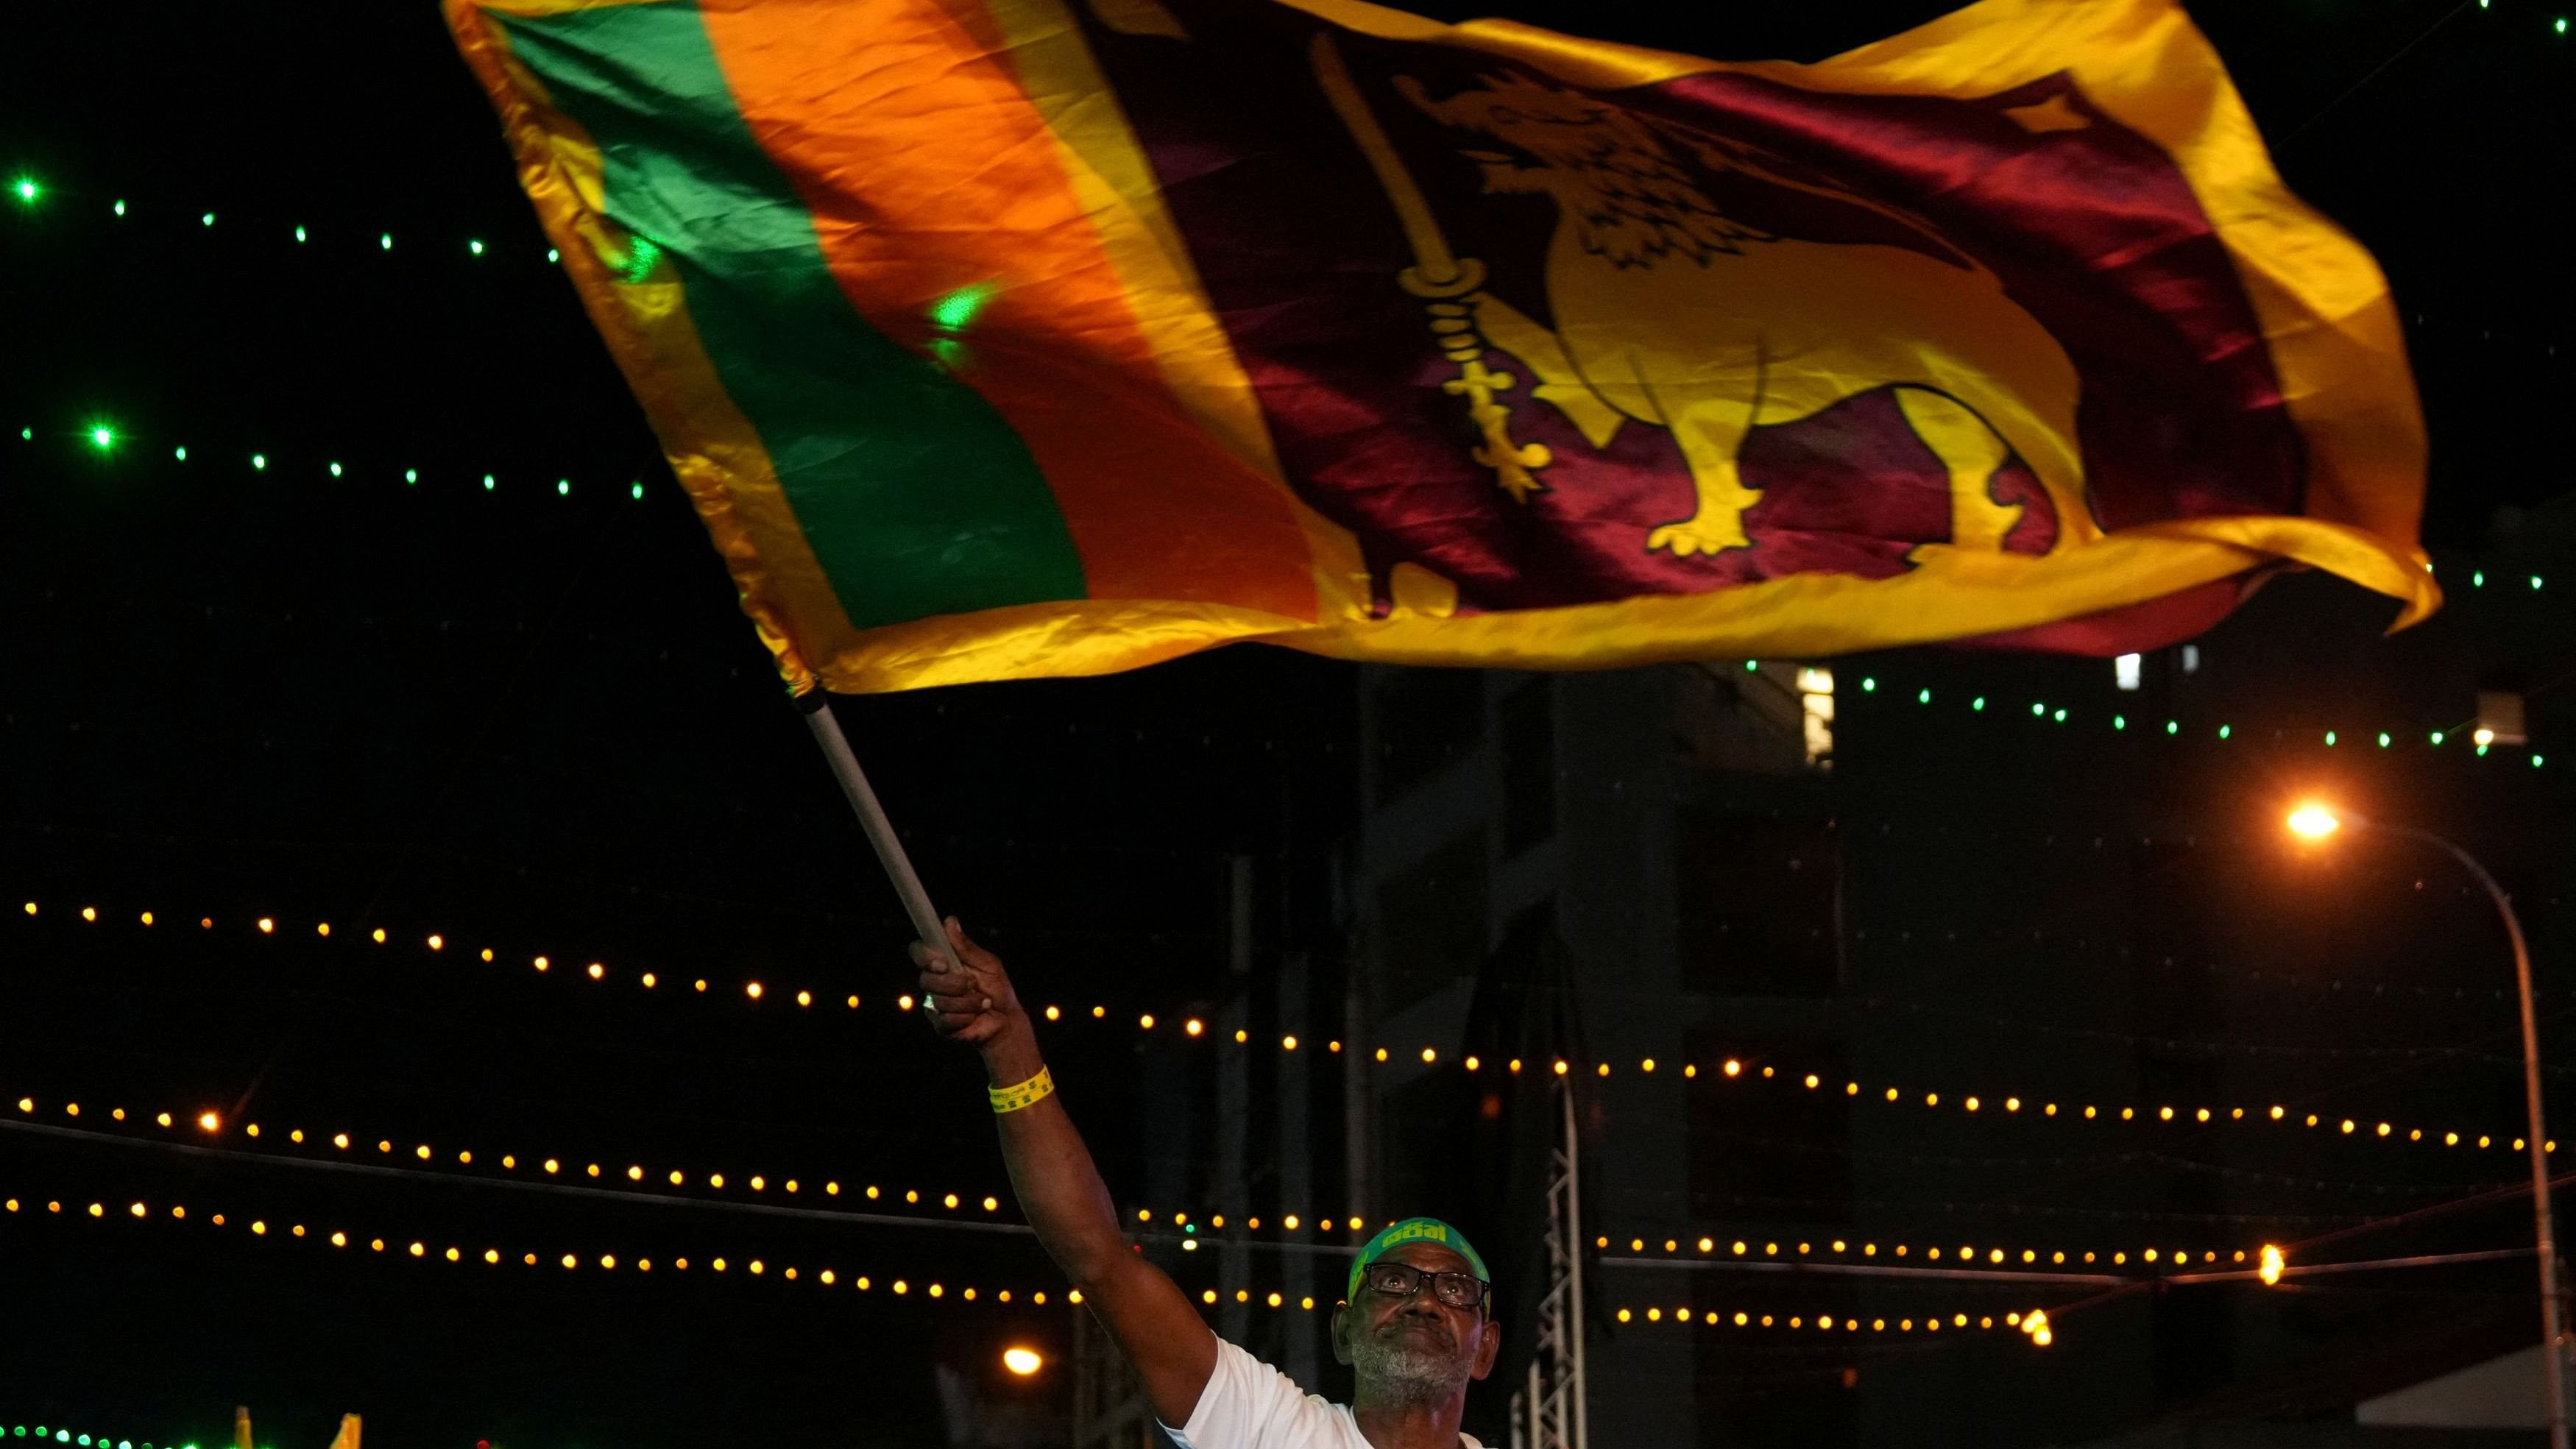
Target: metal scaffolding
1548, 1413
1110, 1410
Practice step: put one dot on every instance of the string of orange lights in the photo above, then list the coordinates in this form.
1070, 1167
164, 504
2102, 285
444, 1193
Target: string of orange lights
716, 1183
1187, 1230
2015, 1106
1180, 1025
1971, 1104
2033, 1325
268, 1140
2271, 1267
755, 1265
429, 1249
2019, 1025
872, 1202
1989, 1261
575, 969
1989, 1265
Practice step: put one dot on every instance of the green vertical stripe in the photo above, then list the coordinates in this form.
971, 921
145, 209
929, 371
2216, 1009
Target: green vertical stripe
915, 494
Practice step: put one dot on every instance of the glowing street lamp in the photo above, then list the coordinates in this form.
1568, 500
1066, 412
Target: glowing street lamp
1022, 1362
2315, 822
2273, 1263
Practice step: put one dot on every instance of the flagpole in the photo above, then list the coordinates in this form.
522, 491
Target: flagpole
817, 709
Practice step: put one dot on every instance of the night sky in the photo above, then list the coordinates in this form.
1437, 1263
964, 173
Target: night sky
533, 720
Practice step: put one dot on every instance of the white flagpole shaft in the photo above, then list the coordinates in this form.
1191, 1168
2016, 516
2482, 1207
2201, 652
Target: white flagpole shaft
817, 708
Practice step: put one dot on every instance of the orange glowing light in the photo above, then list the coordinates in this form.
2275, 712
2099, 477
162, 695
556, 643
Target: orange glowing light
2314, 822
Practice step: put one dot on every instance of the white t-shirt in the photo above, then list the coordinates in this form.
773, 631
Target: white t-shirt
1247, 1404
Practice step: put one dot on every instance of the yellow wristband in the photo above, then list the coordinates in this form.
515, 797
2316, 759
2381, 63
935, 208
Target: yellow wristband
1028, 1093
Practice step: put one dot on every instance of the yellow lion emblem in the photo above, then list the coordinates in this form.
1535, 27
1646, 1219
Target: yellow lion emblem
1670, 313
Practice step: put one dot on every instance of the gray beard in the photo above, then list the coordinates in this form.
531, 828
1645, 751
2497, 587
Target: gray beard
1401, 1374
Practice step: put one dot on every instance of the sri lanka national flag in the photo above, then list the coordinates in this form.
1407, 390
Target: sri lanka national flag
1023, 337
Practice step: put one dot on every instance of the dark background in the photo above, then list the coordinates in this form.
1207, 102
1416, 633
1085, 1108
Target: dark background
536, 721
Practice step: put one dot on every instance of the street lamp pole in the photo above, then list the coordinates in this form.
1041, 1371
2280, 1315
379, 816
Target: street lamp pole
2552, 1329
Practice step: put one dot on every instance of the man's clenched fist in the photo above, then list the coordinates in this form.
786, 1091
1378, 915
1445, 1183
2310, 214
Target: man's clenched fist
965, 991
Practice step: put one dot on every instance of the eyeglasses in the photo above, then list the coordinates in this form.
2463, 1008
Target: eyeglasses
1402, 1280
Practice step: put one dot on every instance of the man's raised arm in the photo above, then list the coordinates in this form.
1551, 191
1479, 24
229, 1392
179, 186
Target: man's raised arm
969, 998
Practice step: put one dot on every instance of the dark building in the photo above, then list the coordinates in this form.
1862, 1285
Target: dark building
2001, 963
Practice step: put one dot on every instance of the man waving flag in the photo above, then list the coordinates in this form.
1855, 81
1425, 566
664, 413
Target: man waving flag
1415, 1323
1001, 338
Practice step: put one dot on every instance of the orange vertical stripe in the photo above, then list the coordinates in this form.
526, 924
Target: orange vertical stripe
928, 172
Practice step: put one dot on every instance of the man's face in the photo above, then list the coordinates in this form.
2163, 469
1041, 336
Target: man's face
1417, 1348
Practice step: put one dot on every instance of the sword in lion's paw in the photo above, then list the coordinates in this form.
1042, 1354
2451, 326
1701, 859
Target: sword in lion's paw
1447, 283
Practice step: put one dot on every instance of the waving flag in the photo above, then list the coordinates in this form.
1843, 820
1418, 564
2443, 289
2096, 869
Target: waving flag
1000, 338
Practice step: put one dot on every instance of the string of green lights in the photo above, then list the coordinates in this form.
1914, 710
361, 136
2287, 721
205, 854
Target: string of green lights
2403, 738
38, 196
81, 1441
106, 437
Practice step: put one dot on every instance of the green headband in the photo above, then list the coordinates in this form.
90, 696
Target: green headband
1413, 1230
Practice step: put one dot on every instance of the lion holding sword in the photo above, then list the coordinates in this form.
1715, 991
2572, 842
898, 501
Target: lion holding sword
1670, 313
